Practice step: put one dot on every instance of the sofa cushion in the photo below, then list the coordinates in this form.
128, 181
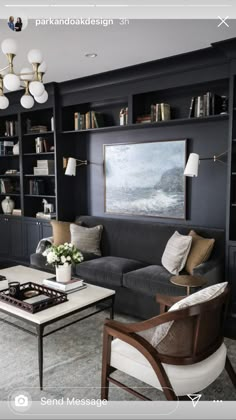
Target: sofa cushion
151, 280
108, 270
176, 252
200, 251
86, 239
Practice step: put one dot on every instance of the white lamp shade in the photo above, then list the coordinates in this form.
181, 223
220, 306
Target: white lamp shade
71, 167
11, 82
26, 76
191, 169
35, 56
42, 99
27, 101
43, 67
4, 102
9, 46
36, 88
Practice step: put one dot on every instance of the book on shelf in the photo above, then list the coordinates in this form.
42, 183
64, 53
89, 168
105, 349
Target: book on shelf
124, 116
6, 186
144, 119
6, 147
47, 216
165, 112
11, 128
73, 284
206, 105
36, 187
45, 163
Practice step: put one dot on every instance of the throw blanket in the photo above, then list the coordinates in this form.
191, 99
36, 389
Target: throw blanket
43, 244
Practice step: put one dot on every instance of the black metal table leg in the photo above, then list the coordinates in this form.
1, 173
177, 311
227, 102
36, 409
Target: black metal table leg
112, 307
40, 354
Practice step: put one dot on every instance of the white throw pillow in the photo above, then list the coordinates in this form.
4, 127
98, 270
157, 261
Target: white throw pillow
176, 252
203, 295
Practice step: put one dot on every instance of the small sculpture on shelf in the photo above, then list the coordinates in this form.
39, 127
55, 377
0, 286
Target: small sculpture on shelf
47, 207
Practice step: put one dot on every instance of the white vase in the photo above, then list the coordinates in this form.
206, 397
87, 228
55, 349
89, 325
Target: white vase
63, 273
15, 150
8, 205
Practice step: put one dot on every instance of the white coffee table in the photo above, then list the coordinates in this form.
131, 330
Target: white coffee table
77, 302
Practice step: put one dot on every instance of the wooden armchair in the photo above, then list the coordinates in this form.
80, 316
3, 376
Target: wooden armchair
193, 359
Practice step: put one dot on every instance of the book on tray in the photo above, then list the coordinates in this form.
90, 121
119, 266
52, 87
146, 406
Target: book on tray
73, 284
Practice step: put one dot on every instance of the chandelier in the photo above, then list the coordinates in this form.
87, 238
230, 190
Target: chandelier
30, 79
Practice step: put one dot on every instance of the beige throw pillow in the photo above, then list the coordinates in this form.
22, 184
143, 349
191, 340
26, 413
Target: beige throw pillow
87, 239
200, 251
176, 252
61, 232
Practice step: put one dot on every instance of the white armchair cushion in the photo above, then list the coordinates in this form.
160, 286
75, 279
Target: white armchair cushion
184, 379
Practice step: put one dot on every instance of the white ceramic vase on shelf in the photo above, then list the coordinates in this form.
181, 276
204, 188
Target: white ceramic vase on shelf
8, 205
15, 150
63, 273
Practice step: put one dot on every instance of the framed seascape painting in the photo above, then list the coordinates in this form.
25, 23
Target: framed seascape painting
146, 179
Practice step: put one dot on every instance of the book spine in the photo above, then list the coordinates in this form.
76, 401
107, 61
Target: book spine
76, 121
126, 116
165, 112
87, 120
191, 108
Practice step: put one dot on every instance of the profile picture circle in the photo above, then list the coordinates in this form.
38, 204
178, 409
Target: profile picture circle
17, 23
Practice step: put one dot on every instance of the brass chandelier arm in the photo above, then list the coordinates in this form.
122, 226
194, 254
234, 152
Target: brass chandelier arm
4, 68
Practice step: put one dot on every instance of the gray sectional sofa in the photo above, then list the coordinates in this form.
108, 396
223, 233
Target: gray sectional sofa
131, 262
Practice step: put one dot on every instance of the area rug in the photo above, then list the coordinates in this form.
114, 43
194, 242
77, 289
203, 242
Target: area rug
72, 365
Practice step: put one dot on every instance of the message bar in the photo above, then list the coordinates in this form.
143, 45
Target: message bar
131, 9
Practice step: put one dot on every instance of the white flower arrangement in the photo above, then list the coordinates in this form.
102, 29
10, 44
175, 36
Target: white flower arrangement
65, 254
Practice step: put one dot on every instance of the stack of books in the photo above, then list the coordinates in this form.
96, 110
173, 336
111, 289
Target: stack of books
37, 129
73, 285
44, 167
47, 216
16, 212
159, 112
89, 120
206, 105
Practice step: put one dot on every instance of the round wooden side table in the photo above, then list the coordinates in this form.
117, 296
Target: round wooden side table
188, 281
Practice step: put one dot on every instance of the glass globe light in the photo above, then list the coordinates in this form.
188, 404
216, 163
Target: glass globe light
35, 56
43, 67
11, 82
9, 46
26, 76
36, 88
42, 99
4, 102
27, 101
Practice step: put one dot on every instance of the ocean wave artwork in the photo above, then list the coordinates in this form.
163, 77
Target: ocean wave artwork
146, 179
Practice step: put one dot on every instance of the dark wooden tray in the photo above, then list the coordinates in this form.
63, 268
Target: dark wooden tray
53, 297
